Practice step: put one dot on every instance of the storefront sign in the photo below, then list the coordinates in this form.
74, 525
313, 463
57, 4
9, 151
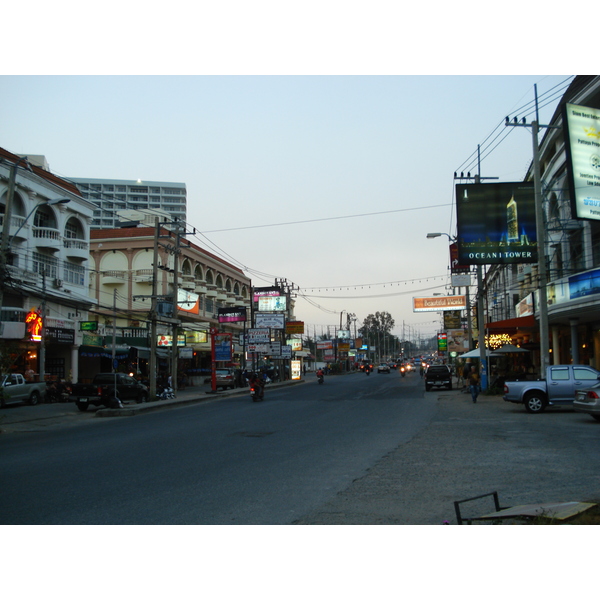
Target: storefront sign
269, 320
438, 303
60, 336
292, 327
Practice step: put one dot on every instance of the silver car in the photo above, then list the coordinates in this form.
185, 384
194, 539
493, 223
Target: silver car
587, 400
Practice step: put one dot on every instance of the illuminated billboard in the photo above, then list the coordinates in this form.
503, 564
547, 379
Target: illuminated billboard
496, 223
439, 303
271, 303
582, 145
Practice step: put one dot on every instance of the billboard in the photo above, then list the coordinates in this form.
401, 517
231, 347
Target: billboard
272, 303
496, 223
235, 314
438, 303
582, 144
188, 302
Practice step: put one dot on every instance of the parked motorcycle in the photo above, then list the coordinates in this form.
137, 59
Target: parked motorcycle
165, 393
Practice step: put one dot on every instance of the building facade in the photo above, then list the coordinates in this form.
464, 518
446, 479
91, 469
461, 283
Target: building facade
572, 254
45, 267
137, 271
112, 196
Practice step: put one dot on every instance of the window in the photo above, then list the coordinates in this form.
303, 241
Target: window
73, 273
43, 264
560, 374
584, 374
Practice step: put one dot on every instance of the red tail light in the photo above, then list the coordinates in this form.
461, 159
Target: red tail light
593, 395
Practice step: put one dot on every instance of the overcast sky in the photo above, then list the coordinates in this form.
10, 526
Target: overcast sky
350, 172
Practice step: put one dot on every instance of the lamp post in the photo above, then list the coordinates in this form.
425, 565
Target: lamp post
480, 319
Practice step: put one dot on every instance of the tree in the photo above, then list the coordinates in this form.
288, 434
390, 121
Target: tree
377, 330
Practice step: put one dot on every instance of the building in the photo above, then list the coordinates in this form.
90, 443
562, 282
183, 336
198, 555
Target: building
572, 252
133, 266
44, 267
111, 196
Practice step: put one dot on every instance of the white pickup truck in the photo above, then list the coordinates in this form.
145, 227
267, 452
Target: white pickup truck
557, 389
14, 388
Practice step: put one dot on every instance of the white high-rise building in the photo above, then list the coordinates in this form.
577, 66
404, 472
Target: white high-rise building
112, 196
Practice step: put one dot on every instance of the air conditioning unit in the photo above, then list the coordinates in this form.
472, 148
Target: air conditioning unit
58, 283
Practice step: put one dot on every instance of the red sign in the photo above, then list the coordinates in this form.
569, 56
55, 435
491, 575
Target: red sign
455, 268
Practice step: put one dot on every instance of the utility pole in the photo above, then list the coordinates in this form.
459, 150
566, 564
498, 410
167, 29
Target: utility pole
540, 233
480, 290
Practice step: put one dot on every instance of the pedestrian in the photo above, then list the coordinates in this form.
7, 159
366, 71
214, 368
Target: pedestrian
466, 372
474, 385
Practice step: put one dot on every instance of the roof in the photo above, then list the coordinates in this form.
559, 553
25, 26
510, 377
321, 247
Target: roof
47, 175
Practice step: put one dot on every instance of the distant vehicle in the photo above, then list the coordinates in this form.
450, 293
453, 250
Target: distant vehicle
14, 388
587, 400
225, 379
438, 376
557, 389
101, 391
383, 368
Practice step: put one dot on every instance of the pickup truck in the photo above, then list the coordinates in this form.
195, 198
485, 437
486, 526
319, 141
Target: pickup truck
558, 388
15, 388
438, 376
101, 391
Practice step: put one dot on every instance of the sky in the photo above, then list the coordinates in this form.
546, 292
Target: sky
325, 163
338, 124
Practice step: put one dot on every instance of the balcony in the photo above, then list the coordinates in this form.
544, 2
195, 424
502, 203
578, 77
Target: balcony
46, 237
188, 283
78, 249
113, 277
143, 276
17, 230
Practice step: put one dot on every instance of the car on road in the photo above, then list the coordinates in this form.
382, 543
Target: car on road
587, 400
383, 368
438, 376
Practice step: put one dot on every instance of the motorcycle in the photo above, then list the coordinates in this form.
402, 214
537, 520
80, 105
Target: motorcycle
257, 392
402, 371
320, 379
368, 371
165, 393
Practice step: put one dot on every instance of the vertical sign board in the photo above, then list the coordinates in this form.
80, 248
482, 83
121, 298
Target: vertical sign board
221, 351
582, 145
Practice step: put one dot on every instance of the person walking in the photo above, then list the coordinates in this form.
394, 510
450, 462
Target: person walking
474, 384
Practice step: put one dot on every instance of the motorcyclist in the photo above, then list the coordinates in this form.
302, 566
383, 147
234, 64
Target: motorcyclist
320, 374
258, 384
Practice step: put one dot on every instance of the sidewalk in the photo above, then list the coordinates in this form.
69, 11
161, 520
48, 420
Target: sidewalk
23, 417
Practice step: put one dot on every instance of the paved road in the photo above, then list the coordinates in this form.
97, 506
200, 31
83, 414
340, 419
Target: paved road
231, 461
377, 472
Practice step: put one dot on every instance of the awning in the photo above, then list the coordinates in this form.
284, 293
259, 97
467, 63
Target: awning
141, 351
512, 325
103, 352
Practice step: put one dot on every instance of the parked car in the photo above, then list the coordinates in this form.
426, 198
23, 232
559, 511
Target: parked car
587, 400
438, 376
383, 368
225, 378
558, 388
14, 388
101, 391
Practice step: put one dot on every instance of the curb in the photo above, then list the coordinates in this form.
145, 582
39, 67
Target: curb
137, 409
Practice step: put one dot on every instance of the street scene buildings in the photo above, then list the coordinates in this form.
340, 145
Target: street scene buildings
109, 275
